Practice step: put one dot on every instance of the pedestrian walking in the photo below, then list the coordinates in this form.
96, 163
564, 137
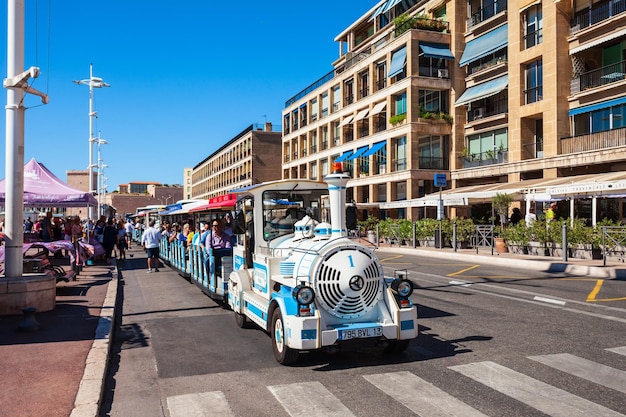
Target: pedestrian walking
150, 241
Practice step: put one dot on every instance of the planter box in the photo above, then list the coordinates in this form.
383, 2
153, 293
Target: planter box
518, 249
586, 252
537, 249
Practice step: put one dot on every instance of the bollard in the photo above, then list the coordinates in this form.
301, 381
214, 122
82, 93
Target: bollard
454, 235
29, 324
564, 241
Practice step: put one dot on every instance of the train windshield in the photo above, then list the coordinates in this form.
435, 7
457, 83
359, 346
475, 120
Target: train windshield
283, 208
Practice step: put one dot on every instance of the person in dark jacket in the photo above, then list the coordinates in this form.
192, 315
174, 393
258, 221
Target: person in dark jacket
109, 239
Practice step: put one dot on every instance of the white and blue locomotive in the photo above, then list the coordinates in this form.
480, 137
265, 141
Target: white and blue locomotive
304, 281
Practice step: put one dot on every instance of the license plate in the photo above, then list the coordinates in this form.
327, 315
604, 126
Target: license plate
360, 333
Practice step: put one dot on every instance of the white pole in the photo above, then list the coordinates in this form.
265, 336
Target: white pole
91, 116
14, 201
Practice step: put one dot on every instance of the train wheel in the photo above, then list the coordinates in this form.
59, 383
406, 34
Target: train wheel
283, 354
241, 320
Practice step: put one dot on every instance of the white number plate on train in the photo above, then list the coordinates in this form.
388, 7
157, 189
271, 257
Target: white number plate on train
360, 333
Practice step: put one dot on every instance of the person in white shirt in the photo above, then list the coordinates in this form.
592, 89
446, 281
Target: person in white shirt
150, 241
530, 217
128, 227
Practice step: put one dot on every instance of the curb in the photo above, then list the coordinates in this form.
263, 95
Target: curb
551, 266
91, 387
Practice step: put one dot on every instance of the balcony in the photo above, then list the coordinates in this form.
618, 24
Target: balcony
598, 77
432, 162
596, 14
484, 159
593, 141
423, 23
487, 12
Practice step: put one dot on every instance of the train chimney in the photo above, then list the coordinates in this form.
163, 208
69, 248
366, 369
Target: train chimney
337, 181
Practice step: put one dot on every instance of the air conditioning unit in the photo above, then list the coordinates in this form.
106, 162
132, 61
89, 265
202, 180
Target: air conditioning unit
479, 113
442, 73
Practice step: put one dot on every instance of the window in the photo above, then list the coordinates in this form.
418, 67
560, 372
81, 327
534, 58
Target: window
324, 105
349, 91
400, 103
287, 122
400, 151
313, 170
380, 161
397, 68
433, 101
314, 109
534, 82
533, 26
381, 75
336, 98
324, 167
303, 115
365, 83
538, 138
431, 152
483, 145
294, 119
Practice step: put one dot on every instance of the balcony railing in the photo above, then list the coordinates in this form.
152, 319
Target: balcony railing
485, 158
432, 162
486, 12
599, 77
532, 150
499, 106
422, 23
593, 141
399, 164
596, 14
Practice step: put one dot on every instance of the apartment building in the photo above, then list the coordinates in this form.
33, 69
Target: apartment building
251, 157
525, 97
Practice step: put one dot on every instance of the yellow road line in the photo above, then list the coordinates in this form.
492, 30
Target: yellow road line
463, 270
595, 291
607, 299
392, 258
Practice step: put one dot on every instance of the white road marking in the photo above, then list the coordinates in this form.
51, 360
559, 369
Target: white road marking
202, 404
421, 397
586, 369
309, 399
549, 300
619, 350
550, 400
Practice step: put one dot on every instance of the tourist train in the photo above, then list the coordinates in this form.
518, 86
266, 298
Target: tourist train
293, 270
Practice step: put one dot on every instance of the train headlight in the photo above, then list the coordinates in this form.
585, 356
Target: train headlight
402, 287
304, 295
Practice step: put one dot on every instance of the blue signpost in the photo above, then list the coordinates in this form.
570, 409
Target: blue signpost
440, 181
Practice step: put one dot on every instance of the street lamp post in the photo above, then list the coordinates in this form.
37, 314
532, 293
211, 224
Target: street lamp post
92, 82
167, 198
100, 167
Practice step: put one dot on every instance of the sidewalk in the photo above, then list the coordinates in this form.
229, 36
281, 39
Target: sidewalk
60, 369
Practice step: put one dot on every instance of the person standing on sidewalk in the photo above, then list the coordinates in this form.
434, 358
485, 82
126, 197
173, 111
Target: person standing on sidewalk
150, 242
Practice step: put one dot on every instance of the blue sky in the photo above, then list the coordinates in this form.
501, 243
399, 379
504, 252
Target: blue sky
185, 76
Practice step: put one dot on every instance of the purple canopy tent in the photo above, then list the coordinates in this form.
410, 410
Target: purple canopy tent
43, 189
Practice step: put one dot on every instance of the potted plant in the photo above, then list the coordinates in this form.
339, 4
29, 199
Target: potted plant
398, 118
501, 202
425, 231
516, 237
465, 229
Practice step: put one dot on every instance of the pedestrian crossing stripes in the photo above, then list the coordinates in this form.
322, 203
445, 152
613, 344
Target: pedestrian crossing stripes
548, 399
430, 401
202, 404
313, 399
583, 368
309, 399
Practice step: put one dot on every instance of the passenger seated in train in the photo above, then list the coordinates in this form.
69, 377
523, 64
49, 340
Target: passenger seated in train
219, 242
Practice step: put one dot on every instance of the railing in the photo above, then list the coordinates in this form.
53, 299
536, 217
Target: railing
533, 38
423, 24
380, 84
532, 95
486, 12
599, 77
432, 162
435, 72
485, 158
499, 106
474, 68
399, 164
365, 92
532, 150
310, 88
593, 141
596, 14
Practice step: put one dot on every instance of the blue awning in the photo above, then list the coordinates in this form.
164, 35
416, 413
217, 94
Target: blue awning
378, 11
343, 156
398, 60
375, 148
597, 106
436, 50
484, 45
359, 152
390, 4
483, 90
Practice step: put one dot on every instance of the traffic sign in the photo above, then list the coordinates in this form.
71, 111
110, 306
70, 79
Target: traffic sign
440, 180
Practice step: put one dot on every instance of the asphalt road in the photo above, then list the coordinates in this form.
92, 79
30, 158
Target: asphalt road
494, 342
